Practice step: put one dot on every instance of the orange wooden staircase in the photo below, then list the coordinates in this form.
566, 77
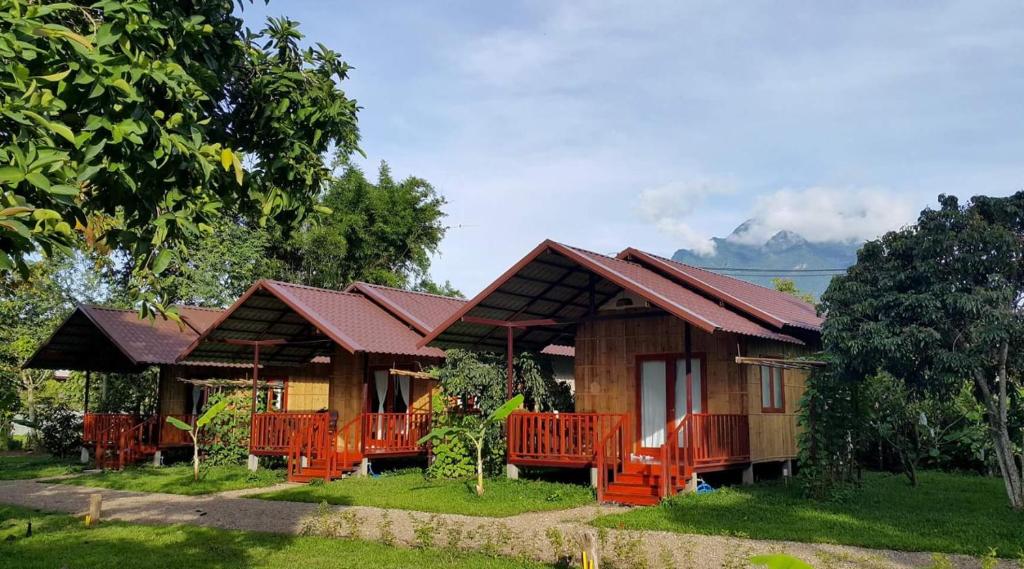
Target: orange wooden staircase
313, 451
121, 439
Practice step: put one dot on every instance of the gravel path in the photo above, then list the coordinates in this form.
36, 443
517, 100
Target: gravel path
543, 535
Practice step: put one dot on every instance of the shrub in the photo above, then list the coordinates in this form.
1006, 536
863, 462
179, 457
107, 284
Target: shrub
60, 429
452, 457
227, 435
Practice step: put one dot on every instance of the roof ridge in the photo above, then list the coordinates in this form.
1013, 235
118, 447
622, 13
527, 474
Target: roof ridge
609, 257
207, 308
309, 287
781, 295
407, 291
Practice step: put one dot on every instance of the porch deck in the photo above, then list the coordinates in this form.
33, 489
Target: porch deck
570, 440
369, 434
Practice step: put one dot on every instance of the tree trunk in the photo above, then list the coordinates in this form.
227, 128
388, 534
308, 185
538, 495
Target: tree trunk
998, 430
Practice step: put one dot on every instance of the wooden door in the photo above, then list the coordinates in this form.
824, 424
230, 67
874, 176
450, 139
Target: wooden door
663, 398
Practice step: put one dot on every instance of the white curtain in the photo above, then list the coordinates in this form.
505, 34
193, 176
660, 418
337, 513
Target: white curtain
698, 390
403, 388
380, 380
652, 403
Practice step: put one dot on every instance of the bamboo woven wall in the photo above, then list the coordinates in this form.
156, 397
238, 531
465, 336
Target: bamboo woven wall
774, 436
174, 399
606, 352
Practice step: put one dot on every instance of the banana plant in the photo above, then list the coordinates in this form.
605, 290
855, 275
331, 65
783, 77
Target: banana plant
193, 431
474, 430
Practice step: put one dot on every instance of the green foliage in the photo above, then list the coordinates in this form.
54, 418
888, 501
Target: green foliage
482, 377
60, 430
949, 513
932, 304
452, 457
788, 286
475, 429
382, 233
227, 435
194, 431
128, 123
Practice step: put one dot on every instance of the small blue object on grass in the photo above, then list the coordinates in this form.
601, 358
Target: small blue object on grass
704, 487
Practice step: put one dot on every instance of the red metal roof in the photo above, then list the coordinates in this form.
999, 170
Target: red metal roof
614, 274
298, 313
421, 310
776, 308
136, 342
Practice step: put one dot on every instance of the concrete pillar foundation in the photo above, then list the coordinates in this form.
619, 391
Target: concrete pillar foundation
511, 472
748, 475
253, 463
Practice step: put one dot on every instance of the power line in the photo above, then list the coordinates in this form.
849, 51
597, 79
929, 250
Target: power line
742, 269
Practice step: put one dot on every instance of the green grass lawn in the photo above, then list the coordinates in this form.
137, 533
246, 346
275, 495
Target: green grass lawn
178, 479
63, 541
947, 513
409, 490
22, 466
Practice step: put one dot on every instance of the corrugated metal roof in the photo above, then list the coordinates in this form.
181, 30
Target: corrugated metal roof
776, 307
421, 310
111, 339
554, 282
310, 319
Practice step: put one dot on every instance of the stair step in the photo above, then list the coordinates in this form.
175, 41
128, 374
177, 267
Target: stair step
631, 499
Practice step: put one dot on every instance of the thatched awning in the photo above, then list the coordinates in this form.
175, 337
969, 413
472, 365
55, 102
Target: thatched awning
781, 363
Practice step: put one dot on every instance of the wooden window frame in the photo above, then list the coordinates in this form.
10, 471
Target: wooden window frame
775, 376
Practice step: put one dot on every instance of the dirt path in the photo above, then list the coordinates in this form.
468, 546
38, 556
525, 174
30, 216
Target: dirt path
543, 535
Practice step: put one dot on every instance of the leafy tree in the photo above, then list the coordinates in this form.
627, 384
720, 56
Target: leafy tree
788, 286
132, 124
481, 376
474, 430
194, 430
381, 232
30, 309
938, 302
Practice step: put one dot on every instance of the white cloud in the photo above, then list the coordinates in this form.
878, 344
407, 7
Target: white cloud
828, 214
667, 207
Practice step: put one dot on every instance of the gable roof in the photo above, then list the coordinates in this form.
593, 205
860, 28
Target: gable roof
309, 319
422, 311
112, 339
775, 307
552, 281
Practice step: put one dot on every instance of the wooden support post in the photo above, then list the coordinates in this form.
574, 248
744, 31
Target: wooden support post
511, 365
88, 377
95, 509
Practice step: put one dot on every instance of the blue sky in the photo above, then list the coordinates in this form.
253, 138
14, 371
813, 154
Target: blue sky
661, 124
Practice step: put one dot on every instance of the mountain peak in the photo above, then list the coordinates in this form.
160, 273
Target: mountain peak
783, 240
784, 251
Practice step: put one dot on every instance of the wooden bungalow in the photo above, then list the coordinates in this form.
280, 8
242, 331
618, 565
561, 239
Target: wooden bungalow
678, 371
108, 340
355, 386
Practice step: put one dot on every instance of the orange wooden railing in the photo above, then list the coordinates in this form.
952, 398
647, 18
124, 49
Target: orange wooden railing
97, 424
720, 438
350, 449
394, 433
556, 438
312, 442
611, 453
702, 439
270, 433
173, 436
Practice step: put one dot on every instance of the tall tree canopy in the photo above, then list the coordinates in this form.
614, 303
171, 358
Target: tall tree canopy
383, 233
132, 124
936, 303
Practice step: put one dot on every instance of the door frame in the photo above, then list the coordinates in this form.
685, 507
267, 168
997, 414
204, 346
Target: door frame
670, 359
